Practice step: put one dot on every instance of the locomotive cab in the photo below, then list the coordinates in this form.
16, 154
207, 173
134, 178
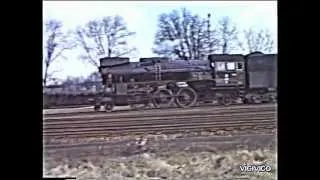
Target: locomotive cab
227, 70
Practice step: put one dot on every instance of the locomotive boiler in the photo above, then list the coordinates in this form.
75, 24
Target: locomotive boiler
161, 82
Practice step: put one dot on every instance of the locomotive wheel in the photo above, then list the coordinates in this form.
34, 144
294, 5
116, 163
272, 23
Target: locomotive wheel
256, 99
226, 100
186, 97
162, 98
108, 107
96, 108
272, 99
252, 99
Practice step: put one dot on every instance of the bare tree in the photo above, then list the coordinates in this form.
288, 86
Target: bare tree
55, 45
228, 35
104, 37
257, 41
183, 35
73, 81
94, 77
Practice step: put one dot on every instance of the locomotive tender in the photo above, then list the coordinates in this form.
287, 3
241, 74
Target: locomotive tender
160, 82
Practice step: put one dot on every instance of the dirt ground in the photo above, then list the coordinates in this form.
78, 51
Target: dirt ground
167, 165
185, 160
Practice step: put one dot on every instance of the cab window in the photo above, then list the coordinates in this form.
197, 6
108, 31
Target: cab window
239, 66
231, 66
221, 66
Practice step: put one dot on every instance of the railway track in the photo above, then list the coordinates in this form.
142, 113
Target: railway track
67, 107
152, 111
160, 121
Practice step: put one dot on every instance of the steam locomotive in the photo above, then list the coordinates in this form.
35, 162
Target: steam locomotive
161, 82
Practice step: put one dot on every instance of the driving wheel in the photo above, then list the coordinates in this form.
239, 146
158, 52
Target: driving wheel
186, 97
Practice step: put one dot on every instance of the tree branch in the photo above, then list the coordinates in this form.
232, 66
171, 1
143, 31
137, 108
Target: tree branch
104, 37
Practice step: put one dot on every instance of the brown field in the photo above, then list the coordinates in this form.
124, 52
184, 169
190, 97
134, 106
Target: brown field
177, 160
194, 154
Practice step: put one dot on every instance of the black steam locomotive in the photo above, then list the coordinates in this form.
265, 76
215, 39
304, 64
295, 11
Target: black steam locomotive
160, 82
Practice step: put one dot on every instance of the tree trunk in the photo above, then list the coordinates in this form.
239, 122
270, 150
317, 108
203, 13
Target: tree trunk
45, 75
224, 48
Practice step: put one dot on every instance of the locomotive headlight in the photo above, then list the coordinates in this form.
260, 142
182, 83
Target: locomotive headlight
212, 65
108, 90
109, 75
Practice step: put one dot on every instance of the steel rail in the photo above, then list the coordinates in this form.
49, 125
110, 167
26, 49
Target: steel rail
152, 110
154, 120
101, 131
163, 113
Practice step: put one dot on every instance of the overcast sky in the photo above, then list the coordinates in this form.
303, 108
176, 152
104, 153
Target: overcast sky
141, 17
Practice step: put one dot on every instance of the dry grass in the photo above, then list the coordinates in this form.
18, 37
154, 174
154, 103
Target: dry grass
167, 165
